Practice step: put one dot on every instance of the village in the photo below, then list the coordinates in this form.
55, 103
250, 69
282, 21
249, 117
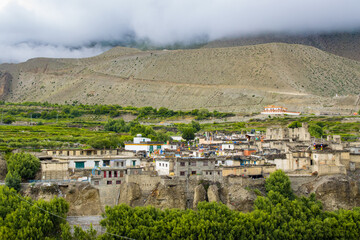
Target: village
214, 157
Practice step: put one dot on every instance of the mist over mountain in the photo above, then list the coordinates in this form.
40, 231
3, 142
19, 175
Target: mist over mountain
36, 28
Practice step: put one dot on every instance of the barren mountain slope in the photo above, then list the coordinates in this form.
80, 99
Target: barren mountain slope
231, 79
342, 44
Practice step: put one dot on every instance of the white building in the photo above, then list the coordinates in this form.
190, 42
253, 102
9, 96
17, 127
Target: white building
162, 166
227, 146
169, 146
177, 138
140, 139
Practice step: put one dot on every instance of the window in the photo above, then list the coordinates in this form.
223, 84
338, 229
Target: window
182, 173
166, 165
106, 163
118, 181
115, 174
122, 164
79, 164
193, 172
104, 174
121, 173
182, 164
110, 174
97, 163
134, 163
109, 182
205, 163
193, 163
117, 164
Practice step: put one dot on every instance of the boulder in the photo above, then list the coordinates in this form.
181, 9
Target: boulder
238, 198
199, 195
169, 196
129, 193
213, 194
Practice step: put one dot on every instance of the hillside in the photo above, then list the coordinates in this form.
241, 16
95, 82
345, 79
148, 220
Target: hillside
232, 79
341, 44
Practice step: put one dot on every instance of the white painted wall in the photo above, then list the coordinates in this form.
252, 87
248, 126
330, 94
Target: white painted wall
141, 139
229, 146
137, 147
162, 167
89, 164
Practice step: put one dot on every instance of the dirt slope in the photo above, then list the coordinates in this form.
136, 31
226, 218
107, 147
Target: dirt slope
342, 44
233, 79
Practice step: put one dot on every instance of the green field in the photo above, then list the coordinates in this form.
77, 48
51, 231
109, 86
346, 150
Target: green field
42, 125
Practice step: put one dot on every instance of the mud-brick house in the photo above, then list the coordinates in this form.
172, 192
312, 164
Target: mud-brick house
254, 171
112, 175
54, 170
297, 134
328, 162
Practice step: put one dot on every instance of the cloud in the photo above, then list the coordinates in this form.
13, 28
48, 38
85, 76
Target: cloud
58, 26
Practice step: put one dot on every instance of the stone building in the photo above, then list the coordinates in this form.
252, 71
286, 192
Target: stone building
54, 170
296, 134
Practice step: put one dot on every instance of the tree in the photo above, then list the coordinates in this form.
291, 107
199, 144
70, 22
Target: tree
13, 180
295, 124
25, 164
316, 131
279, 182
188, 133
104, 142
8, 120
23, 218
196, 125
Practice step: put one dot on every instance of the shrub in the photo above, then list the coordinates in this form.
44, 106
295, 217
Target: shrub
13, 180
25, 164
279, 182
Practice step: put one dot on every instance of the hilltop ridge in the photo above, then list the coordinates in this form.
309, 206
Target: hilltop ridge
233, 79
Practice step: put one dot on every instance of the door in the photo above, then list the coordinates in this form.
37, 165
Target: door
79, 164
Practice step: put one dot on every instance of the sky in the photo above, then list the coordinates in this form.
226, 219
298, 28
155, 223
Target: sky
82, 28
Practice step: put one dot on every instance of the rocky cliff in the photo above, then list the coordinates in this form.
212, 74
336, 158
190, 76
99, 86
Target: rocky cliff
335, 192
82, 197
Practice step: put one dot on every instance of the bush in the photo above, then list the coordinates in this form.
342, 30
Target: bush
279, 182
13, 180
188, 133
8, 120
316, 131
104, 142
25, 164
295, 124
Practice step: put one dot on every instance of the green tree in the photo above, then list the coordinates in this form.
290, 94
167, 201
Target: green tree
23, 218
295, 124
195, 125
188, 133
279, 182
13, 180
8, 120
104, 142
25, 164
316, 131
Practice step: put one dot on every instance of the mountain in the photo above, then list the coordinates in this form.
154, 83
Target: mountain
242, 79
341, 44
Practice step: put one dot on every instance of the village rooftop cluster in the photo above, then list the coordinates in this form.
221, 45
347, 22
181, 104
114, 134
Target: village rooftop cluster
212, 156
